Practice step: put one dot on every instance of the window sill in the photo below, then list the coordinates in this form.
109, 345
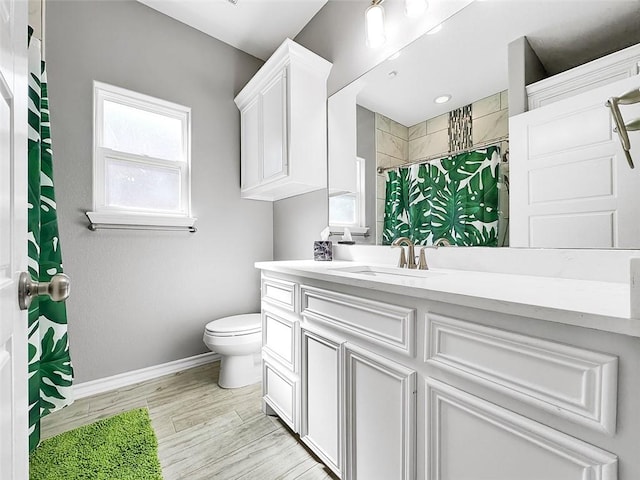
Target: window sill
140, 221
356, 231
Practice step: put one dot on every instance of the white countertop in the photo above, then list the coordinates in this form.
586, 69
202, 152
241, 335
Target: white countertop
586, 303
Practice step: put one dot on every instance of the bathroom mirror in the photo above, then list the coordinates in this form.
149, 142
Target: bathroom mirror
389, 116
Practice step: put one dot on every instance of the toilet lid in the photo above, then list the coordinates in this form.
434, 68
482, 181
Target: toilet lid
235, 325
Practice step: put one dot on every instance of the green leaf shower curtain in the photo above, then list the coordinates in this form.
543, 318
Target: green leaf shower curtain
50, 370
454, 198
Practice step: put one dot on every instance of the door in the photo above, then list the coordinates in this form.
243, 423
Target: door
570, 184
13, 239
380, 417
321, 398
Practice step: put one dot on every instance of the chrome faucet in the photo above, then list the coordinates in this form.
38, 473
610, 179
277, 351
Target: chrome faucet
404, 263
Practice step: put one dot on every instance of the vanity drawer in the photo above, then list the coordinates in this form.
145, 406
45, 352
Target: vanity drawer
279, 293
390, 326
280, 392
574, 383
279, 338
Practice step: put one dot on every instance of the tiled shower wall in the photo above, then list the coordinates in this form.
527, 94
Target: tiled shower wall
397, 144
392, 149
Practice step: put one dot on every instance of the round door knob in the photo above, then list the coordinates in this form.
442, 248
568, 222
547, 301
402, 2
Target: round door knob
57, 289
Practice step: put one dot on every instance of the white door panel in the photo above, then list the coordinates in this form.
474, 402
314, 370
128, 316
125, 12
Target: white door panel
13, 242
570, 183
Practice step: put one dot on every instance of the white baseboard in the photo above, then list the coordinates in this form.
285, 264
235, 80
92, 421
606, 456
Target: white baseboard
94, 387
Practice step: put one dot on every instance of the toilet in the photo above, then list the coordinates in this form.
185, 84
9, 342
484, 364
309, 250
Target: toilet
238, 340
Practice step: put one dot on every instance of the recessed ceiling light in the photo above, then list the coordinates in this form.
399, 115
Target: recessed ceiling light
395, 55
435, 29
442, 99
392, 74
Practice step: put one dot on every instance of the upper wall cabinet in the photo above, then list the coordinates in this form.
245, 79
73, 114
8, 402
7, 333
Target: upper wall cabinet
283, 125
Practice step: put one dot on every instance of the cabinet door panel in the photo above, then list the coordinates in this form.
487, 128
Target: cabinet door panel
380, 399
471, 439
274, 117
251, 145
321, 395
280, 392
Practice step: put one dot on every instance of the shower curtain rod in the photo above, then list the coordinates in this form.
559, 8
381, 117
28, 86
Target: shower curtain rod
438, 156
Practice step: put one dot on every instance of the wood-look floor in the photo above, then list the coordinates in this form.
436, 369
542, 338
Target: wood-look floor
204, 431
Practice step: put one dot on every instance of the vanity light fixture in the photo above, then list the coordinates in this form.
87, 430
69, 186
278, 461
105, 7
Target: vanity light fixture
414, 8
442, 99
374, 22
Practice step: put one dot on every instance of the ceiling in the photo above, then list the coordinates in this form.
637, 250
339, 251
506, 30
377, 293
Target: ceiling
257, 27
468, 57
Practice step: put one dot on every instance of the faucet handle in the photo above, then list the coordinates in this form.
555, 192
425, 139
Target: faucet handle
422, 261
402, 262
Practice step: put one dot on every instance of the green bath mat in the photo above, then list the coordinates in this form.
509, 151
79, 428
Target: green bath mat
123, 447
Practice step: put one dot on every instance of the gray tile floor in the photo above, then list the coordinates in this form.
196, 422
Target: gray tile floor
204, 431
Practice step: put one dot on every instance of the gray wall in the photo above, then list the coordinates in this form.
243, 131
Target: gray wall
366, 148
142, 298
298, 221
525, 68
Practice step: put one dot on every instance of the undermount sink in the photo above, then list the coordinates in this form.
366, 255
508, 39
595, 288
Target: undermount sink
380, 271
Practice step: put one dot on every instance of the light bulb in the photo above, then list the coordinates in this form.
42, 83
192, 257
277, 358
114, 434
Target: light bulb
374, 19
414, 8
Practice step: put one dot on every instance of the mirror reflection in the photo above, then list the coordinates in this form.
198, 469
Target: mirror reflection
420, 146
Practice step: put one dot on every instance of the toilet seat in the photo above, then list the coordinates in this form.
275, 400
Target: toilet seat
236, 325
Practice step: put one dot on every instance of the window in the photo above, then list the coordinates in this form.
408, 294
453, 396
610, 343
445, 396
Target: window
347, 209
141, 160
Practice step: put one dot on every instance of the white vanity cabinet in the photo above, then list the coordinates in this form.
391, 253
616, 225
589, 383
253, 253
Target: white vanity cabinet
283, 125
280, 346
357, 407
387, 386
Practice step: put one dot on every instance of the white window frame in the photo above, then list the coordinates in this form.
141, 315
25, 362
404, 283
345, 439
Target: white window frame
104, 214
359, 225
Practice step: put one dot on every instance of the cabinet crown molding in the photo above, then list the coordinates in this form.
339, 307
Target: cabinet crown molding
288, 53
616, 66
